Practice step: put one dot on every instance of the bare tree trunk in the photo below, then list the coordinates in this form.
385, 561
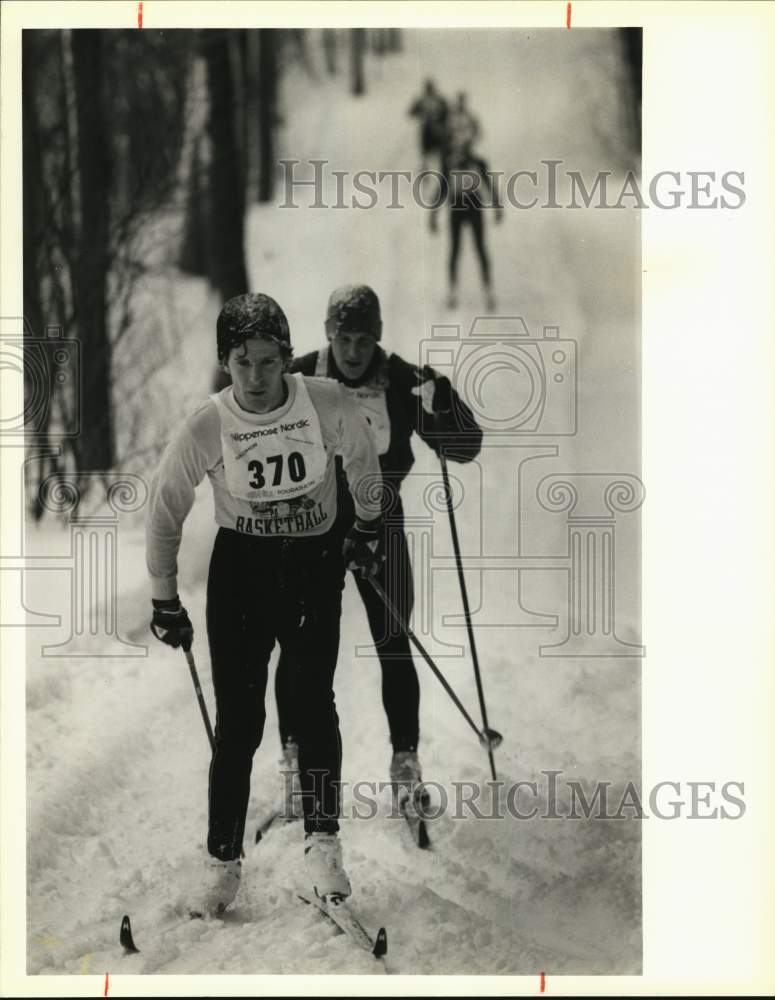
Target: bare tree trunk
267, 104
38, 419
329, 50
239, 55
250, 70
226, 228
33, 193
95, 451
298, 38
192, 174
193, 253
632, 49
357, 49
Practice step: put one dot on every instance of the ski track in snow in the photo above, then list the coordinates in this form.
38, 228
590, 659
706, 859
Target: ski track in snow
117, 755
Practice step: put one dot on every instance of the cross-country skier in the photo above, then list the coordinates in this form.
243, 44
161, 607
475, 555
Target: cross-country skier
461, 126
431, 108
268, 445
398, 399
468, 191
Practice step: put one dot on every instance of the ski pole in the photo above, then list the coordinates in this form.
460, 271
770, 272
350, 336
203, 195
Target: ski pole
488, 738
466, 609
202, 707
200, 697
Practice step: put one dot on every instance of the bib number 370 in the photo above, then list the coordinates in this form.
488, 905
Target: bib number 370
294, 466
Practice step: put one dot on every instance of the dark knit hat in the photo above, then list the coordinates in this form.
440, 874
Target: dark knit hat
252, 315
354, 309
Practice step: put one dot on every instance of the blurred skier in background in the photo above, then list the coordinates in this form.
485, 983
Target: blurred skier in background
431, 108
462, 127
268, 443
468, 191
398, 399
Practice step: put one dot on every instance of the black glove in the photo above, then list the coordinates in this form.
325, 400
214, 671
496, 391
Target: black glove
435, 392
442, 396
362, 547
171, 624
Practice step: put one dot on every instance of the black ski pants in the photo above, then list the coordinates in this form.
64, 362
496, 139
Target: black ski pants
472, 217
261, 590
400, 687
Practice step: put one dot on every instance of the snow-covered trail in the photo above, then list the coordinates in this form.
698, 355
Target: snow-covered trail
117, 755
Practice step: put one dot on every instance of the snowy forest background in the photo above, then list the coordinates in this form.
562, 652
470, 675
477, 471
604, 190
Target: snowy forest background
151, 192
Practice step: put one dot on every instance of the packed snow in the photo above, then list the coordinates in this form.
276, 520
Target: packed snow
117, 754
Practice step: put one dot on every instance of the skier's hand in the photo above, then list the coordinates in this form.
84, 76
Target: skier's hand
171, 624
435, 394
362, 547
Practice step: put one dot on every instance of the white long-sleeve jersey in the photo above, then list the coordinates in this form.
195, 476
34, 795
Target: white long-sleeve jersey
266, 448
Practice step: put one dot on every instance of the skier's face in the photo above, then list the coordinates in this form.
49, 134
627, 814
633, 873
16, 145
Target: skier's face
256, 369
352, 352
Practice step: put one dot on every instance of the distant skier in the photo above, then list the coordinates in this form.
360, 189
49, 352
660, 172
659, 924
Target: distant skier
461, 127
468, 191
398, 400
267, 443
431, 108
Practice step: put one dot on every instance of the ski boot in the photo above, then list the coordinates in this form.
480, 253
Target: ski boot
220, 884
405, 776
323, 861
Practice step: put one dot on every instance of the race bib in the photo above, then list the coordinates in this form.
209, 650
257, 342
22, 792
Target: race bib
372, 401
275, 461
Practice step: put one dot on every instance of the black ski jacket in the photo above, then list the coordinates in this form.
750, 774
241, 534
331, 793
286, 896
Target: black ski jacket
455, 434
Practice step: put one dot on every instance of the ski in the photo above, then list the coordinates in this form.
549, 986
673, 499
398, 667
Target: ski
275, 818
415, 819
337, 909
418, 829
126, 939
266, 824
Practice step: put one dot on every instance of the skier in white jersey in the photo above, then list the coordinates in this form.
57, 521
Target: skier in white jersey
398, 399
268, 444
